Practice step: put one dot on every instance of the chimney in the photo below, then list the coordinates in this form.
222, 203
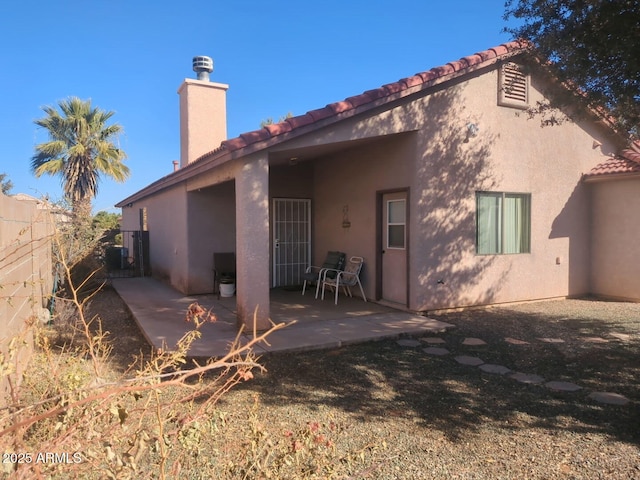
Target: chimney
203, 113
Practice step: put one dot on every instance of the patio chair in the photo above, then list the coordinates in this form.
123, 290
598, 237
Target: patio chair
346, 279
224, 266
334, 262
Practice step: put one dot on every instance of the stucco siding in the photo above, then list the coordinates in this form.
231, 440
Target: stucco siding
351, 179
212, 229
167, 225
616, 238
510, 153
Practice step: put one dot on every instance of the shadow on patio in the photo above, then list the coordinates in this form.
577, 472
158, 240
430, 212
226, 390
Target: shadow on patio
159, 311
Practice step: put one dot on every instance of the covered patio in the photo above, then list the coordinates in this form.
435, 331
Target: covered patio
160, 310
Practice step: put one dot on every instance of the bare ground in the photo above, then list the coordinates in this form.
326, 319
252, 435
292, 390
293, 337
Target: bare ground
396, 412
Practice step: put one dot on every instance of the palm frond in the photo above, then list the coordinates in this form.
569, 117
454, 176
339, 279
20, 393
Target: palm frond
81, 148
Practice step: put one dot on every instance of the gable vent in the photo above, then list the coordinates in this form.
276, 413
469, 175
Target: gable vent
513, 86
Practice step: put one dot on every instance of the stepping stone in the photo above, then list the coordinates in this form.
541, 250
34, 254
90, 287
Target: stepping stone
466, 360
621, 336
436, 351
473, 342
433, 340
515, 341
551, 340
407, 342
563, 386
527, 378
594, 340
609, 398
497, 369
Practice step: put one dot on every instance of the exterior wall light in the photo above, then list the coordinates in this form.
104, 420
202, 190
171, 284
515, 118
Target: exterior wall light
345, 217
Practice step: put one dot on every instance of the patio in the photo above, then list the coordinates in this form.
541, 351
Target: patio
159, 311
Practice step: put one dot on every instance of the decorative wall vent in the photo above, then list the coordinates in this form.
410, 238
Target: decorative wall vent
513, 86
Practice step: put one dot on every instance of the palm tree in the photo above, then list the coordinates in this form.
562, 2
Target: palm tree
80, 149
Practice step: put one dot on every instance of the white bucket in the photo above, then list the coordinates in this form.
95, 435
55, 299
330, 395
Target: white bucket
227, 289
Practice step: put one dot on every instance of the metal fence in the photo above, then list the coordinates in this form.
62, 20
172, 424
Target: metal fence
128, 256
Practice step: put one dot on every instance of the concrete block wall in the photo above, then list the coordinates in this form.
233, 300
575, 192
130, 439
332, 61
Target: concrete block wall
25, 273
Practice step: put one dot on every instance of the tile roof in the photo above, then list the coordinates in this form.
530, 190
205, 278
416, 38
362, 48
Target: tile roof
626, 163
274, 133
371, 98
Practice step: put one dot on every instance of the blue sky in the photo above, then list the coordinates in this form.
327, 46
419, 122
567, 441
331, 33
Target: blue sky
130, 57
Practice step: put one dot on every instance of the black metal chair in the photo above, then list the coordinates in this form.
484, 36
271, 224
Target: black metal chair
334, 262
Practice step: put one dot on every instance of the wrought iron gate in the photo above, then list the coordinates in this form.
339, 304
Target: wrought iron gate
291, 240
129, 255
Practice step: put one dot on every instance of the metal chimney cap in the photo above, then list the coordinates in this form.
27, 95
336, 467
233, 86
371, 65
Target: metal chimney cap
203, 66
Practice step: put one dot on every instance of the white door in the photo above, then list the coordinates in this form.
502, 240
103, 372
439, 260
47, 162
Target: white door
394, 247
291, 240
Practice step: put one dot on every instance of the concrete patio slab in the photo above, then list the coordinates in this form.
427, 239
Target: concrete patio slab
312, 323
296, 339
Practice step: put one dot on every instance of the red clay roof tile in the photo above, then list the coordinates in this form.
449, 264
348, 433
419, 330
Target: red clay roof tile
255, 136
300, 121
487, 55
392, 88
428, 76
442, 70
422, 78
413, 81
234, 144
376, 93
615, 165
278, 128
339, 107
472, 60
631, 154
500, 50
321, 113
457, 65
358, 100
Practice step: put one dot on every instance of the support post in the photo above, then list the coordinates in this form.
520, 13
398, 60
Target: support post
252, 243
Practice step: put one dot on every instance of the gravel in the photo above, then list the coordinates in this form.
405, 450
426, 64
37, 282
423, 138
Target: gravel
393, 411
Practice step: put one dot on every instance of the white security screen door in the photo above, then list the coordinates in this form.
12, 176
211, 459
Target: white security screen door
291, 240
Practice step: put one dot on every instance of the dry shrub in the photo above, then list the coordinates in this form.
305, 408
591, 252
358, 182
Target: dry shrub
72, 416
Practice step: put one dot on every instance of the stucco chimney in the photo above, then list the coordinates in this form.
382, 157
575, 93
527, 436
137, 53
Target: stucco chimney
203, 113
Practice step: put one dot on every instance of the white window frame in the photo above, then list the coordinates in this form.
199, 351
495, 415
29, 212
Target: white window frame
500, 242
403, 224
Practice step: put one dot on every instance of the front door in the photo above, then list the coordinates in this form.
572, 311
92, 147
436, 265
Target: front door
291, 240
394, 247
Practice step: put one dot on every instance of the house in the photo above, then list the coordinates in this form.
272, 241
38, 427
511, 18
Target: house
615, 226
450, 192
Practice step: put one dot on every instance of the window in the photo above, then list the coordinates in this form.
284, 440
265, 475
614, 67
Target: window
503, 223
513, 86
396, 223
